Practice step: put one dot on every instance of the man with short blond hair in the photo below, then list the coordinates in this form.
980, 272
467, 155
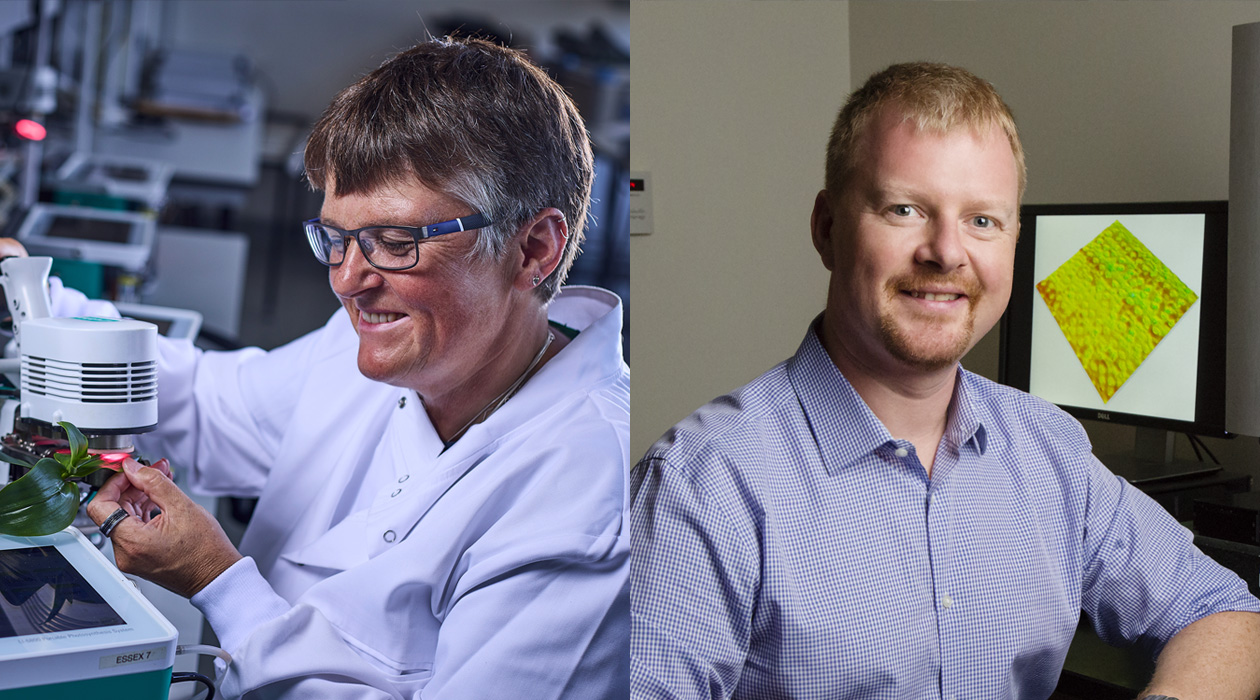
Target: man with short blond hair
868, 519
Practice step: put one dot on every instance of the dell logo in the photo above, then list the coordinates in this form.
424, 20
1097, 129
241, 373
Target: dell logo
1104, 416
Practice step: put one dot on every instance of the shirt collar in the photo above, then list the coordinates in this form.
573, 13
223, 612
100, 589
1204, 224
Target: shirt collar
842, 424
590, 360
844, 427
966, 420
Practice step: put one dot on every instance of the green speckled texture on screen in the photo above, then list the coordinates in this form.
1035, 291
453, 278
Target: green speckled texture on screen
1114, 301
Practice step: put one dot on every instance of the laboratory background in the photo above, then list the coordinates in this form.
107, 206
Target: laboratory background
153, 151
194, 115
1144, 107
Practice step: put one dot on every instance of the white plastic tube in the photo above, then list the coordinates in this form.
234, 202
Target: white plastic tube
204, 649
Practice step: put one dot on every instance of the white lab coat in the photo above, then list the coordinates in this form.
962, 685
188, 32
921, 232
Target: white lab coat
380, 567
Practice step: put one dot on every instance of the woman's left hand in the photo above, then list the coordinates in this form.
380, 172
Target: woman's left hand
181, 549
10, 247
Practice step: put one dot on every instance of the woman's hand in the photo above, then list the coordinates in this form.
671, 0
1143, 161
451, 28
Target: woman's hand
10, 248
182, 548
136, 502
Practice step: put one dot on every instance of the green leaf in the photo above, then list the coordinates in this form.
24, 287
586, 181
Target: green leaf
14, 460
44, 519
45, 500
85, 469
25, 515
38, 485
78, 443
67, 463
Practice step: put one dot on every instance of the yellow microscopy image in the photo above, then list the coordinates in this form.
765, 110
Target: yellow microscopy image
1114, 300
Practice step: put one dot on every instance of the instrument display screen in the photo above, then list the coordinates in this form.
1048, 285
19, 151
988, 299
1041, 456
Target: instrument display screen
41, 593
85, 229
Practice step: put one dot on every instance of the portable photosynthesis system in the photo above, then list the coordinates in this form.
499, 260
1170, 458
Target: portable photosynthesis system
72, 626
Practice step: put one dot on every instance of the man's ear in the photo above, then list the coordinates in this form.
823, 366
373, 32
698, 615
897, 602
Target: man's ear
821, 223
541, 242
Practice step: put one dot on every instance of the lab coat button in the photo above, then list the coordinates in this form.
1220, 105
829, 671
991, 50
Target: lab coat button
390, 536
403, 478
395, 493
402, 402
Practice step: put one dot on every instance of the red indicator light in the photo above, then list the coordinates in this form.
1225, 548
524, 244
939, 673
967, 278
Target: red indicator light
111, 460
30, 130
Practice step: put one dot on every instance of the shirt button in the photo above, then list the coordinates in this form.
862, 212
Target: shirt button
390, 536
901, 452
947, 602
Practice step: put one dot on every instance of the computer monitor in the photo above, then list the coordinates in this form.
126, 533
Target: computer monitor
135, 179
119, 238
1117, 313
178, 324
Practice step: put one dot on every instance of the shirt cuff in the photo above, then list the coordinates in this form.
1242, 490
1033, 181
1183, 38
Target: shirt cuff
237, 602
67, 301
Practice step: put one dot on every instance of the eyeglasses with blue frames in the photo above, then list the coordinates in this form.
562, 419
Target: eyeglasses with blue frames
384, 247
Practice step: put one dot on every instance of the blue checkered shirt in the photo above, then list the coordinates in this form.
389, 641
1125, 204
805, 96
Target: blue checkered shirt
784, 545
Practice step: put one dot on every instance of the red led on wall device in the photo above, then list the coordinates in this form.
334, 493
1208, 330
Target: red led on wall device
30, 130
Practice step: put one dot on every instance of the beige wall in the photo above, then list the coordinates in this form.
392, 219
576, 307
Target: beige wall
1117, 101
731, 103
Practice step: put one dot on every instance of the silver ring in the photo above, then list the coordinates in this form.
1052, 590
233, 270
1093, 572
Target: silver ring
112, 521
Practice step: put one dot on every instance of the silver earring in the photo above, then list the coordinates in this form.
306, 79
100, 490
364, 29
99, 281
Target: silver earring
536, 280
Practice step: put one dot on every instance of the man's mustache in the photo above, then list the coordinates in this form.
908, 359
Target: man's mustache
953, 283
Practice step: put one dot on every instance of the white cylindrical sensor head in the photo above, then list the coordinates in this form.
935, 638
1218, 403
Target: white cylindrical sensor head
99, 374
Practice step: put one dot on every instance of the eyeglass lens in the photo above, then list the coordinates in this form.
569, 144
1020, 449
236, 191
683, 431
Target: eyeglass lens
383, 247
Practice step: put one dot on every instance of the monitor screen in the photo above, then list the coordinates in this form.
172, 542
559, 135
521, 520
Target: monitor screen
85, 229
129, 173
1117, 312
163, 324
40, 592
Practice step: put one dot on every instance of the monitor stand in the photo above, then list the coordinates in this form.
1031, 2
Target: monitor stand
1152, 460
